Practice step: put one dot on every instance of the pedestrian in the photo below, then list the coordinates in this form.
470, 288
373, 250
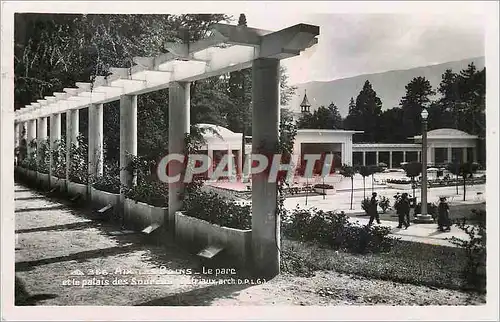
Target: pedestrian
404, 211
374, 210
412, 202
444, 223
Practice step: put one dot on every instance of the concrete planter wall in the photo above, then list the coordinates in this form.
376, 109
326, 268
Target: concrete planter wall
103, 198
198, 234
59, 183
43, 178
30, 174
77, 188
322, 191
400, 186
140, 215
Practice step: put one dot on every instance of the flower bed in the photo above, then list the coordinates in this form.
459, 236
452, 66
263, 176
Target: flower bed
210, 207
139, 215
400, 186
324, 189
197, 234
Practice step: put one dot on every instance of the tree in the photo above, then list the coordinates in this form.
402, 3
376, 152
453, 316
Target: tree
322, 118
348, 172
55, 51
413, 170
390, 129
449, 101
464, 170
417, 97
365, 171
366, 113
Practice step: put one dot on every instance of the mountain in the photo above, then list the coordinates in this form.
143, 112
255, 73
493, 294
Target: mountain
390, 86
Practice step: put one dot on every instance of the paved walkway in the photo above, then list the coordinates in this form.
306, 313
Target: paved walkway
56, 244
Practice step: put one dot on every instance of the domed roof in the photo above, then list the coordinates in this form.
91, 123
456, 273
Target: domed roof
447, 132
212, 130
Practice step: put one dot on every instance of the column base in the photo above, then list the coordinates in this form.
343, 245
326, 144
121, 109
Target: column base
423, 219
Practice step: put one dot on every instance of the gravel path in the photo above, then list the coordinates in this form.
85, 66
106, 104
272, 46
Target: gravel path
55, 242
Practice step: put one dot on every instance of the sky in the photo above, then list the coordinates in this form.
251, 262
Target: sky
352, 44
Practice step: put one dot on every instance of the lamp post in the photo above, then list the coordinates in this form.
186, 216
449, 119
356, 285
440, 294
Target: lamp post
423, 217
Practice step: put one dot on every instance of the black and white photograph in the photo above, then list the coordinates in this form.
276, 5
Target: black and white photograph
248, 156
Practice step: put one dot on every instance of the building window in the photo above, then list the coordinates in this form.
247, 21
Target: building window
440, 155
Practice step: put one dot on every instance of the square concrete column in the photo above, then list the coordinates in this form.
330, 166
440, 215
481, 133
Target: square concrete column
72, 129
266, 241
364, 158
41, 137
179, 101
239, 164
55, 135
376, 158
230, 163
419, 157
390, 159
210, 171
17, 139
343, 153
95, 126
128, 141
404, 156
431, 155
17, 135
464, 155
474, 154
449, 156
30, 135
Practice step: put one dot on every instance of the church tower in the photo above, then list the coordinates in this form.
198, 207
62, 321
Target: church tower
305, 107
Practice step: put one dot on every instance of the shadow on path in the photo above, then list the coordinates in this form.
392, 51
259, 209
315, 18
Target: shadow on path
72, 226
30, 198
23, 298
198, 297
80, 256
61, 207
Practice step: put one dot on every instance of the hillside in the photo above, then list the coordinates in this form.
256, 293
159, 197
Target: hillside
390, 86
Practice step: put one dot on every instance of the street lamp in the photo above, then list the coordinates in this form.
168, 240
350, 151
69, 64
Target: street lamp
423, 217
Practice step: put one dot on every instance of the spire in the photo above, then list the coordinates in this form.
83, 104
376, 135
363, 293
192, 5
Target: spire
304, 106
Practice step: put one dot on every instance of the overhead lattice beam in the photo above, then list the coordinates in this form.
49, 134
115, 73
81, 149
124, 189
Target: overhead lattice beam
184, 62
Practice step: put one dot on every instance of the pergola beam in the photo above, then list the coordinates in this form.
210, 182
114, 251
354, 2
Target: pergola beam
185, 63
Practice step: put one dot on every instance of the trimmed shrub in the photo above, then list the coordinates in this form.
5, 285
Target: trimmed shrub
211, 207
474, 271
154, 193
336, 231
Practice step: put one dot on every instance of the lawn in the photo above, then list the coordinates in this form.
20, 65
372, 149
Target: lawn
407, 262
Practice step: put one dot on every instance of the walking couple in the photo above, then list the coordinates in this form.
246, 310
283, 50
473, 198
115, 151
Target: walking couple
403, 210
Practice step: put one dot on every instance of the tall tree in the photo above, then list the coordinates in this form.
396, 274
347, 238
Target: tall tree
417, 97
365, 116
